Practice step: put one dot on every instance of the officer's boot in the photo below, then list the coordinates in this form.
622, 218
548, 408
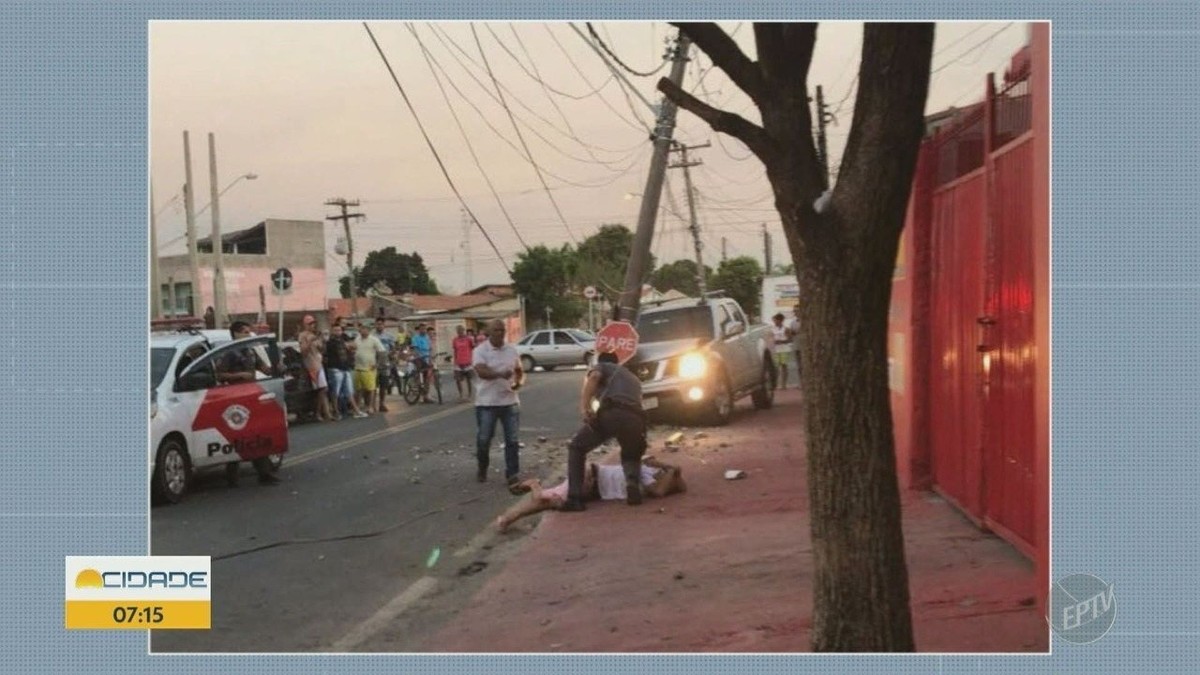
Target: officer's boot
633, 481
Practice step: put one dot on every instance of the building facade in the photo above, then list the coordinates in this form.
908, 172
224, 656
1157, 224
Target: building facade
250, 257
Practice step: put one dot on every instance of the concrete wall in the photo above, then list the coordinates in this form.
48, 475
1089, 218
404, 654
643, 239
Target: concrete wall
298, 245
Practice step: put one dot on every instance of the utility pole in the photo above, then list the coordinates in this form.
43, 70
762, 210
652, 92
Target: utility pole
822, 152
466, 246
218, 245
189, 205
639, 259
262, 309
691, 197
155, 289
724, 249
171, 295
345, 218
766, 249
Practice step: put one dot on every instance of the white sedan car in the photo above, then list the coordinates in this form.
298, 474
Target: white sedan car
556, 347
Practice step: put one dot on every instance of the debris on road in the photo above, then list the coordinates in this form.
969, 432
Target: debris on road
674, 438
699, 435
433, 557
542, 439
678, 576
734, 474
468, 570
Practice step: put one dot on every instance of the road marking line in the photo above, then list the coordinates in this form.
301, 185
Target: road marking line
375, 435
385, 616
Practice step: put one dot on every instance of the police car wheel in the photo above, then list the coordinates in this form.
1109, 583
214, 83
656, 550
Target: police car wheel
171, 472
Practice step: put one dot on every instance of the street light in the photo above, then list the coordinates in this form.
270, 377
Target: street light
247, 176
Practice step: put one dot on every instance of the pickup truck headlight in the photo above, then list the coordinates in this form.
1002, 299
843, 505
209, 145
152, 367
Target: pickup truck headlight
692, 366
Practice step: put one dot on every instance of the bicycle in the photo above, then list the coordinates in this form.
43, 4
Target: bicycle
418, 387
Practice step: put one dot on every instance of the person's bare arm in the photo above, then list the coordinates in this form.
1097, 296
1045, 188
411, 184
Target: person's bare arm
487, 373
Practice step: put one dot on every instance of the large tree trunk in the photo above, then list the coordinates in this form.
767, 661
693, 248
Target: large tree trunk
844, 259
860, 579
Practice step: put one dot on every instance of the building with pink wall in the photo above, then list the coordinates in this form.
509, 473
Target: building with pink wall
250, 256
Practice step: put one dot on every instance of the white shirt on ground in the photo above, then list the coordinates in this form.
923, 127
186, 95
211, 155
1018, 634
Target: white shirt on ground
498, 391
610, 479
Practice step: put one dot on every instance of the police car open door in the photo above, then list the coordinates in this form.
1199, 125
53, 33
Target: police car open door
238, 420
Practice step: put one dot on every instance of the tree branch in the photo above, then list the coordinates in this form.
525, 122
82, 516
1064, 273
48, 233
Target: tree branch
722, 121
785, 52
889, 109
727, 56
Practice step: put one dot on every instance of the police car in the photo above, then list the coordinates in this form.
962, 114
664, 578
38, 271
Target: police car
198, 423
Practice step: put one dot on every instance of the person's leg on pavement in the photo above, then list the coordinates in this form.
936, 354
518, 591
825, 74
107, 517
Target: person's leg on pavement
796, 358
485, 430
536, 501
510, 420
335, 393
266, 476
630, 430
586, 439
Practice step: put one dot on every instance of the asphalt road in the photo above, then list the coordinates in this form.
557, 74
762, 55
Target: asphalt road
406, 481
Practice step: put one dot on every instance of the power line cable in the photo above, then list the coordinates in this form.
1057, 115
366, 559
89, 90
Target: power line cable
520, 136
607, 164
982, 43
637, 122
500, 135
617, 59
627, 86
537, 77
433, 149
961, 38
466, 138
566, 120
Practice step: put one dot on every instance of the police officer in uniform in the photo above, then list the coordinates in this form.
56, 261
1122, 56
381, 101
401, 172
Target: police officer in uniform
620, 415
241, 365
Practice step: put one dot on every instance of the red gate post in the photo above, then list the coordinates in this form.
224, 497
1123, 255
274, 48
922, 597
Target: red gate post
1040, 98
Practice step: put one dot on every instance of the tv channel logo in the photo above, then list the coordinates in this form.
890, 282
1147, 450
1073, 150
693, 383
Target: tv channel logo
1082, 608
138, 592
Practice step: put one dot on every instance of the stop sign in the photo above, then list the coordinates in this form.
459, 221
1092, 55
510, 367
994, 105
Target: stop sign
619, 337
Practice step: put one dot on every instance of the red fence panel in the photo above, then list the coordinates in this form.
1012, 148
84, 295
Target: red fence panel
1009, 471
956, 287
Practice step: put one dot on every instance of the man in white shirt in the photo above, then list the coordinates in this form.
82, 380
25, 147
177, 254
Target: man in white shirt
500, 375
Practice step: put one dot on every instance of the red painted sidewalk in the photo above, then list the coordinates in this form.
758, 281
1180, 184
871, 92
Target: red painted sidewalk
727, 566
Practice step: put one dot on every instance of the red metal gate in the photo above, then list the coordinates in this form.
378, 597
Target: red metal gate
956, 287
982, 343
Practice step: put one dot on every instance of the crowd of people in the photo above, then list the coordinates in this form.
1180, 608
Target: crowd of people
353, 374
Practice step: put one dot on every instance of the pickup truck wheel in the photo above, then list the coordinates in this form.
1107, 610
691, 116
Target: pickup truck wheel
764, 396
527, 364
721, 406
169, 482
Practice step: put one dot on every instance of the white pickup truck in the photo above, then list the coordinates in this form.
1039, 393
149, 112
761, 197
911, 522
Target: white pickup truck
696, 358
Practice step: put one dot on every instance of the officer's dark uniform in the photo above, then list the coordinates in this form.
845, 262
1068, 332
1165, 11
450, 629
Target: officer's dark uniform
620, 416
244, 361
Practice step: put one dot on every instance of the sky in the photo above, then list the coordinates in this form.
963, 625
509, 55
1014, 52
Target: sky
311, 109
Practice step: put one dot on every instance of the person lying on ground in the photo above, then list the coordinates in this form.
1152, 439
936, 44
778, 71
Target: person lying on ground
601, 481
